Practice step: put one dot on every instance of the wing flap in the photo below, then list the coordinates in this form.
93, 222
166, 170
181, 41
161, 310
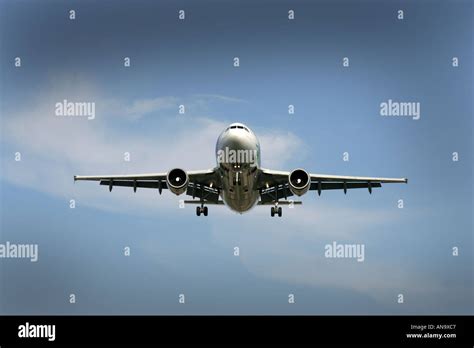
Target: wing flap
340, 185
348, 179
203, 192
146, 177
137, 183
275, 193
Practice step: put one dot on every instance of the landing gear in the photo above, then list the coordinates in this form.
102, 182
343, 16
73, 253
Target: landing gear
202, 210
276, 210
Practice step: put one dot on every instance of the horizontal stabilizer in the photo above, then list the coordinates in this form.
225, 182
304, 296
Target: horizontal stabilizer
281, 203
195, 201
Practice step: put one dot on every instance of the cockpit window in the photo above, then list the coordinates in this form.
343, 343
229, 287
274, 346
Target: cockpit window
239, 127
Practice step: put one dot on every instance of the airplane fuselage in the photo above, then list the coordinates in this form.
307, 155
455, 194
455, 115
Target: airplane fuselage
238, 160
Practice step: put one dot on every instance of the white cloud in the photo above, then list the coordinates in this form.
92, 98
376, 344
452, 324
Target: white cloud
219, 98
54, 149
278, 148
142, 107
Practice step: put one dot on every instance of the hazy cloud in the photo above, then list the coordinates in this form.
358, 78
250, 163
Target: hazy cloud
142, 107
54, 149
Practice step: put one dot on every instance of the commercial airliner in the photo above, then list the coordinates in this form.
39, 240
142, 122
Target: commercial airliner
238, 180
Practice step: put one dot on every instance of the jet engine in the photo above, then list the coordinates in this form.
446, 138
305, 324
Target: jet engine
177, 180
299, 182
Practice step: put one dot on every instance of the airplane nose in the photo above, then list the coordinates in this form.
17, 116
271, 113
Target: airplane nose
235, 140
240, 140
230, 145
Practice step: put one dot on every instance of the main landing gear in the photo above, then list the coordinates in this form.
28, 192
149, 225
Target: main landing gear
276, 210
202, 210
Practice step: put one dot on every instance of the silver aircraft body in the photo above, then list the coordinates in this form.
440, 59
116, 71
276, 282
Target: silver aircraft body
238, 181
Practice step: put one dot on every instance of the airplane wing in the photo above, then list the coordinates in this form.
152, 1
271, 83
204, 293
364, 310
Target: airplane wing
203, 184
273, 184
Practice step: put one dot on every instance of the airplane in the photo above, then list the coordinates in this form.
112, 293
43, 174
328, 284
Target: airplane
238, 181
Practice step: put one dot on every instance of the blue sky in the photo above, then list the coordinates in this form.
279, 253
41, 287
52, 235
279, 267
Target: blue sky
283, 62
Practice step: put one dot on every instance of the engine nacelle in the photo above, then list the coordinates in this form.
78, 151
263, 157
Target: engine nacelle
177, 180
299, 182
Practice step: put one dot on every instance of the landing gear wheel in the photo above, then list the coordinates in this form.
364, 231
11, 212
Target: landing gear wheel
205, 211
198, 211
280, 211
272, 211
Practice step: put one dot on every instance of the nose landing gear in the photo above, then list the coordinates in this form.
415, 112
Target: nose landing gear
276, 210
202, 210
